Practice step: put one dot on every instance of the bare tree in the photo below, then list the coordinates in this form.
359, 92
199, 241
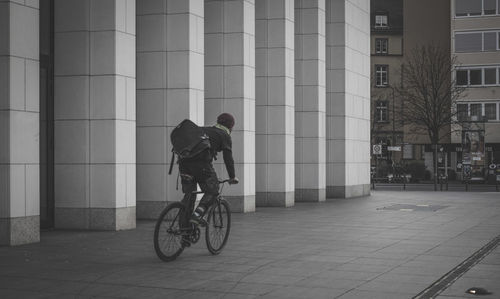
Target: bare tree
429, 94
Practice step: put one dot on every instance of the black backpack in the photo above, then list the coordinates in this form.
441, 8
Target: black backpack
188, 140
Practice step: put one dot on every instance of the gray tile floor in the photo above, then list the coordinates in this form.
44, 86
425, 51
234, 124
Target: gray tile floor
341, 249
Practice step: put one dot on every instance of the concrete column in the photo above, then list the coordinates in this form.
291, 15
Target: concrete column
274, 103
348, 98
94, 111
230, 87
19, 123
170, 88
310, 105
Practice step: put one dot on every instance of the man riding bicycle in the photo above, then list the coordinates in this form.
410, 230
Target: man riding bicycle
199, 170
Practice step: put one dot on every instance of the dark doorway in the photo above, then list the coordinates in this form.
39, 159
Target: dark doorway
46, 113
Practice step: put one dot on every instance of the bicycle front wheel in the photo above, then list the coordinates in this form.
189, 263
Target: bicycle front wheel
168, 234
218, 226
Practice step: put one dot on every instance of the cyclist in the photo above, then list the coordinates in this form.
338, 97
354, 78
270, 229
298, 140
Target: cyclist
199, 170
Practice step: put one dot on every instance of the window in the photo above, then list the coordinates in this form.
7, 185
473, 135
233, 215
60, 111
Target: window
380, 21
462, 112
475, 111
381, 111
381, 75
477, 41
490, 41
490, 111
478, 111
381, 45
464, 8
489, 7
468, 42
467, 8
475, 77
462, 78
490, 76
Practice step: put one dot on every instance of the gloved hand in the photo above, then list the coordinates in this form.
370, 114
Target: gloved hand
233, 181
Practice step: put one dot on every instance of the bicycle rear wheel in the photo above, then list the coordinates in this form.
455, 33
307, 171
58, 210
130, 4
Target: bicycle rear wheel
168, 234
218, 226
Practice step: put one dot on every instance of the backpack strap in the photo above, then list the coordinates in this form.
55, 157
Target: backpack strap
171, 163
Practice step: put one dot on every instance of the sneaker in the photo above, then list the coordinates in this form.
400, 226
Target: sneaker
198, 220
185, 241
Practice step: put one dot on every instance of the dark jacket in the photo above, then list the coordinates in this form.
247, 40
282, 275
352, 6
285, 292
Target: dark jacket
220, 141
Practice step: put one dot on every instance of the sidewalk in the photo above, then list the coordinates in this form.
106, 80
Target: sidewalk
350, 248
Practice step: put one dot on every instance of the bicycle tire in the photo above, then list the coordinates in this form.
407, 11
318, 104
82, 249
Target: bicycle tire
168, 225
218, 226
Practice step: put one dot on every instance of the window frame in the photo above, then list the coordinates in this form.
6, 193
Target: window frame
381, 24
382, 40
382, 73
482, 109
381, 110
482, 14
483, 68
497, 40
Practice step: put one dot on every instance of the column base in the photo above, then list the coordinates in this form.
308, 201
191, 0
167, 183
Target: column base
95, 218
241, 204
275, 199
19, 230
347, 191
150, 210
310, 195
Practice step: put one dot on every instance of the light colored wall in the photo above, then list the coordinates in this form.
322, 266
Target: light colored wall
348, 97
94, 112
230, 87
170, 88
19, 123
310, 105
274, 83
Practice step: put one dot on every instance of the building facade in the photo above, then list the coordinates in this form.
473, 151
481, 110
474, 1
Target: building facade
396, 30
475, 31
91, 89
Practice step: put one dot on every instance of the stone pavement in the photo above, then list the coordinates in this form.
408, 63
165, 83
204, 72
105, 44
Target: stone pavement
388, 245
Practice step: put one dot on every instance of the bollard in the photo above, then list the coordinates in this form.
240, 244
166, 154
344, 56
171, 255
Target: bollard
440, 185
466, 186
446, 185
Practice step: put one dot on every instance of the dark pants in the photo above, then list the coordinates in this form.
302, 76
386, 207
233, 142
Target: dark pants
199, 172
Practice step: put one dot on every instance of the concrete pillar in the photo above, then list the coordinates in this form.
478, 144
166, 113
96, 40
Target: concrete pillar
94, 111
19, 123
274, 103
170, 88
230, 87
348, 98
310, 106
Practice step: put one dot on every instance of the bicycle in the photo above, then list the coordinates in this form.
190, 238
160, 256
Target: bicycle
170, 239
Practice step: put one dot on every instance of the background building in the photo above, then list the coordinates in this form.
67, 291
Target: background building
91, 89
397, 29
475, 31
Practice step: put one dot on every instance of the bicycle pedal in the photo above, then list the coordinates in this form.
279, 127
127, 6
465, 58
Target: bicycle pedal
185, 243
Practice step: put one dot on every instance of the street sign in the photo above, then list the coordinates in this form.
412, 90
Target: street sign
394, 148
377, 149
493, 166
